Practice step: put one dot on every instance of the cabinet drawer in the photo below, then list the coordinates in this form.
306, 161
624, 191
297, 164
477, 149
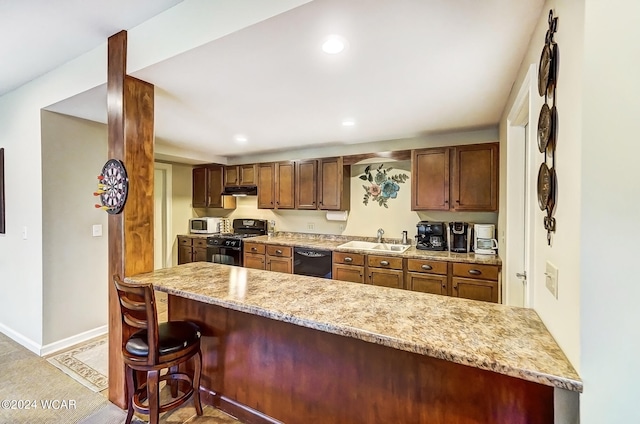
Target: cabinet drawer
422, 265
282, 251
384, 262
254, 248
348, 258
184, 241
199, 242
483, 272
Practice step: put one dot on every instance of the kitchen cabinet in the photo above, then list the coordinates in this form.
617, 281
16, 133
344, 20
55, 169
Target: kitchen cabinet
430, 182
285, 185
207, 187
385, 271
266, 186
348, 267
279, 259
427, 276
191, 249
240, 175
334, 185
475, 281
458, 178
254, 256
475, 177
305, 184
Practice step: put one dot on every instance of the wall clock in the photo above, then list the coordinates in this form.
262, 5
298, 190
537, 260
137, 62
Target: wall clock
114, 186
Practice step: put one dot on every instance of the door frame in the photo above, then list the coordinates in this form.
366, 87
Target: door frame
167, 230
521, 149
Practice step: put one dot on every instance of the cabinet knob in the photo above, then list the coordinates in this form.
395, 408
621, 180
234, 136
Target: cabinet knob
455, 287
348, 259
475, 272
446, 201
427, 267
457, 201
444, 286
279, 252
384, 263
254, 249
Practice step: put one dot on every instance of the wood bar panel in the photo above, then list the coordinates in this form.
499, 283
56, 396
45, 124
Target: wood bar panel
130, 111
298, 375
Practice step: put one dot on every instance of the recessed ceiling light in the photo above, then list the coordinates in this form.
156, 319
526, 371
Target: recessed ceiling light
348, 123
334, 44
240, 138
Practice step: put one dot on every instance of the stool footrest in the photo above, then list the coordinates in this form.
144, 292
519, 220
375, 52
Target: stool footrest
140, 395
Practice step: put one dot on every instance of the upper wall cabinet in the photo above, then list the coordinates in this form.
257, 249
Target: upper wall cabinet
459, 178
266, 185
285, 185
240, 175
334, 184
306, 183
207, 188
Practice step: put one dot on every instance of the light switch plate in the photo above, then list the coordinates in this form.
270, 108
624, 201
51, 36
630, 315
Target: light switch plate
97, 230
551, 279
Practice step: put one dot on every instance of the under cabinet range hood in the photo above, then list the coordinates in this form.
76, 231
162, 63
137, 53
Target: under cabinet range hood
240, 191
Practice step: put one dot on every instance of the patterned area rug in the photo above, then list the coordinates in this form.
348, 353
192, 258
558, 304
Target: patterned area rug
88, 364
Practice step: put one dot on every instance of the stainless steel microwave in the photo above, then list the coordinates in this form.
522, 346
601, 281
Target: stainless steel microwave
204, 225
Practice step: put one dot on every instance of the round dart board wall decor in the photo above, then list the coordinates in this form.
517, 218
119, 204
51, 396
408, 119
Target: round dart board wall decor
113, 186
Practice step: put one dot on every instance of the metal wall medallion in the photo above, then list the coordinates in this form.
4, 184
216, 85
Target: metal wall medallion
547, 126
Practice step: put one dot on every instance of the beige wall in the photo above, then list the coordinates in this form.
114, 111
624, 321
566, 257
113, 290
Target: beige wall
181, 209
74, 262
561, 315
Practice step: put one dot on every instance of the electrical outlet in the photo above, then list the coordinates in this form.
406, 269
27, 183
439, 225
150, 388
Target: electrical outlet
551, 279
97, 230
341, 227
311, 226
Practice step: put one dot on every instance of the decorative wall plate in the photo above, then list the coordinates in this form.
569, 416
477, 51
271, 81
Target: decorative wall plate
115, 186
546, 127
544, 70
545, 186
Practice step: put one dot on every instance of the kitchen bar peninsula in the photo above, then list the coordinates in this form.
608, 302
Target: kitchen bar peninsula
294, 349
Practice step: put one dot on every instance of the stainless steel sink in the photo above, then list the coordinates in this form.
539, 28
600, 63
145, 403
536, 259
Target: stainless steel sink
375, 247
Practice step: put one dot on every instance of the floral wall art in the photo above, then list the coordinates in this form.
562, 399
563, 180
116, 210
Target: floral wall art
382, 186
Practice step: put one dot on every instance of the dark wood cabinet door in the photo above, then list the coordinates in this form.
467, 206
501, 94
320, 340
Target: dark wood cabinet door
184, 255
385, 277
255, 261
266, 186
215, 186
278, 264
430, 179
305, 186
199, 254
231, 175
354, 274
248, 174
199, 192
427, 283
468, 288
285, 185
475, 177
333, 184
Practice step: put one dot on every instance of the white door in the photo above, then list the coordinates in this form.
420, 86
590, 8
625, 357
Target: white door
517, 254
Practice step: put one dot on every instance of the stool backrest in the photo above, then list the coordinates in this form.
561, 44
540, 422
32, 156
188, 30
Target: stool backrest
138, 312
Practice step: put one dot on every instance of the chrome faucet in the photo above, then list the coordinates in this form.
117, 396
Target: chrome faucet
380, 233
404, 238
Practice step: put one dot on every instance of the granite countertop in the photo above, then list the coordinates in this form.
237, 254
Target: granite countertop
328, 242
503, 339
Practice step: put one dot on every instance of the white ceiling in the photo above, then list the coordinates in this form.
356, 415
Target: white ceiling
411, 67
40, 35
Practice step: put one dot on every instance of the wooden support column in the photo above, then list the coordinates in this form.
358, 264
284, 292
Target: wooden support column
130, 108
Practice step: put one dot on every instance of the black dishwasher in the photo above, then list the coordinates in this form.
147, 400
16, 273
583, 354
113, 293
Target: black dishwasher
312, 262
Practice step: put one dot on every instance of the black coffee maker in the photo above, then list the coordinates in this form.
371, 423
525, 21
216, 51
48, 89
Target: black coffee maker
431, 236
459, 237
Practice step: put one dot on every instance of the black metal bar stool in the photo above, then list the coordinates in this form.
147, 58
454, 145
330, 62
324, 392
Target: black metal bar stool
151, 347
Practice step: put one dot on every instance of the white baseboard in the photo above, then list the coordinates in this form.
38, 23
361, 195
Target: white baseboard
71, 341
21, 339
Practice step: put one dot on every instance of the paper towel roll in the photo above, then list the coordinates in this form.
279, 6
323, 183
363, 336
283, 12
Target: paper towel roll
337, 215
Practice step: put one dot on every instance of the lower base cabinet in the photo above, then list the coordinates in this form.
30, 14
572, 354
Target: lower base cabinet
279, 259
475, 281
191, 249
427, 276
348, 267
385, 271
